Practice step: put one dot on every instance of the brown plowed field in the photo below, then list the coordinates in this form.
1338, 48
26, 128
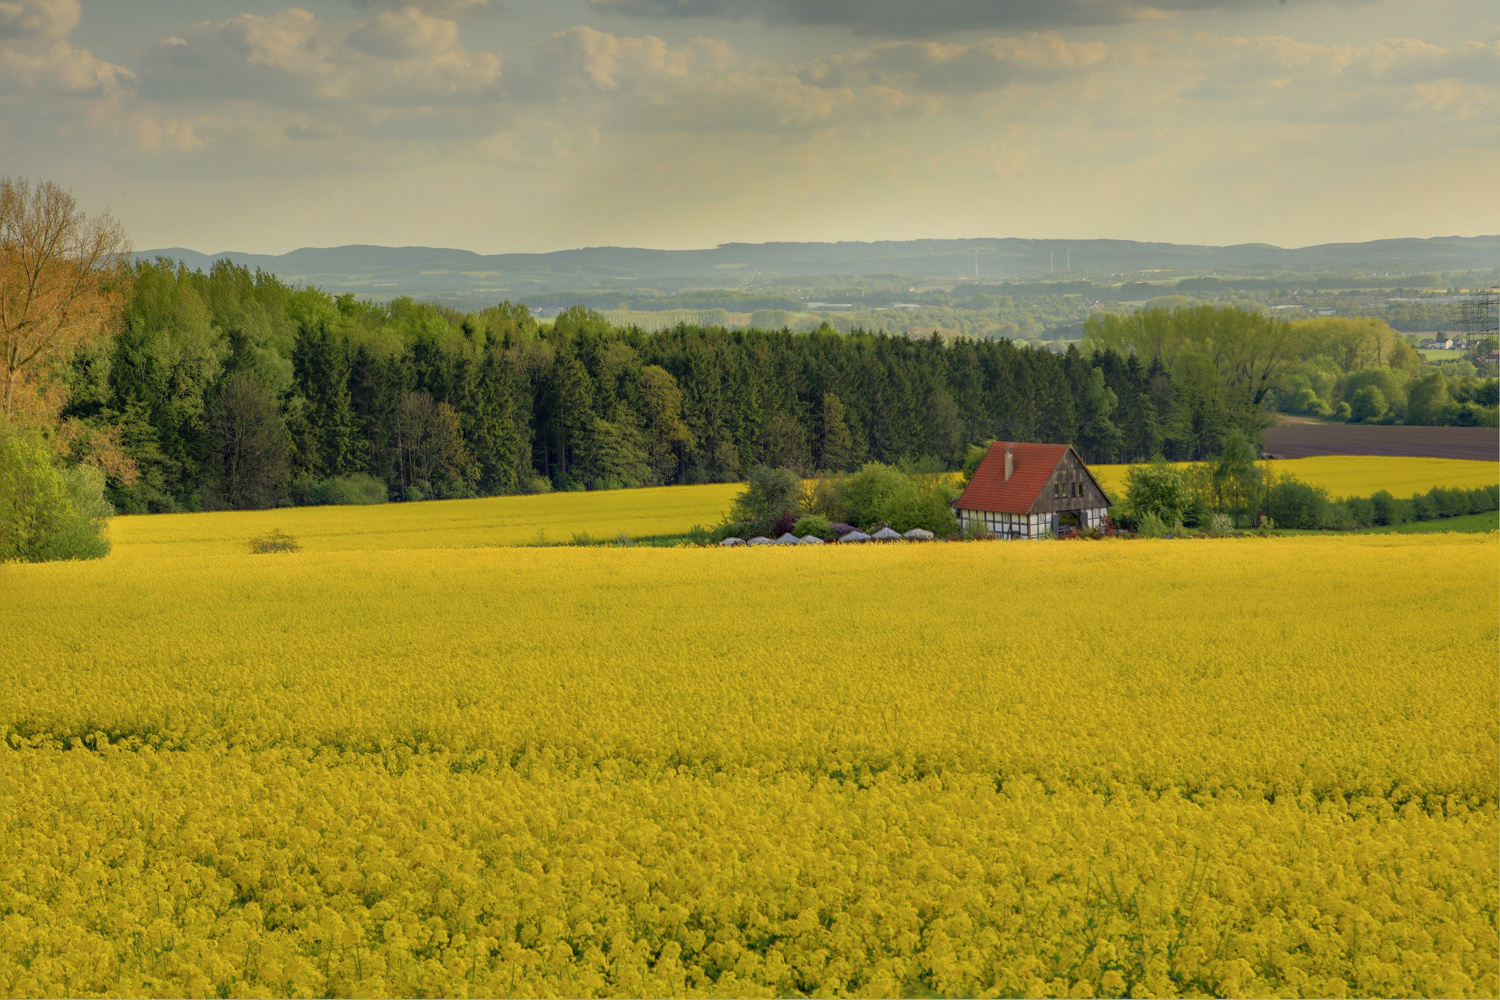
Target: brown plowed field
1294, 438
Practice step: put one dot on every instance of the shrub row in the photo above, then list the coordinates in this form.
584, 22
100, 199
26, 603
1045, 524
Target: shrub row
1291, 503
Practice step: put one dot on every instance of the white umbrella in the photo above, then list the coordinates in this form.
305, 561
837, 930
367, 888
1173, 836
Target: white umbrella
886, 535
918, 535
760, 540
855, 536
733, 541
788, 539
811, 540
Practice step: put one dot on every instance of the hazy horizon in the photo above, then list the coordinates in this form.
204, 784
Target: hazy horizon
728, 243
530, 127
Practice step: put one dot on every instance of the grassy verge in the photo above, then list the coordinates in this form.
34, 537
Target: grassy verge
1487, 521
1467, 524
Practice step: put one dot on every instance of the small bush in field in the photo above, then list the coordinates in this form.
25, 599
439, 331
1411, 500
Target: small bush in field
276, 541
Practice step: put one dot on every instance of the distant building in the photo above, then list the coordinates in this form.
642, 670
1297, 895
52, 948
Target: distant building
1025, 490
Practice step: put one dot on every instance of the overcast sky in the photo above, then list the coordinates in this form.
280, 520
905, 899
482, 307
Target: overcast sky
529, 125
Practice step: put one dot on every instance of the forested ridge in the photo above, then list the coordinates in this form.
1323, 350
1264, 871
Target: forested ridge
233, 389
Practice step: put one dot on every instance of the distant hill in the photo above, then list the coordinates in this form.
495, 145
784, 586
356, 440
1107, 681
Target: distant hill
461, 275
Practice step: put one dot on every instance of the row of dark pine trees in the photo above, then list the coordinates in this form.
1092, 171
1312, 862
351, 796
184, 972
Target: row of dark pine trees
233, 389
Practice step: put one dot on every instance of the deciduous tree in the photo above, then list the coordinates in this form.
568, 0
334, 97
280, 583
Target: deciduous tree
61, 272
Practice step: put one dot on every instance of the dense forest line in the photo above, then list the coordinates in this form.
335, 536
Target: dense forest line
233, 389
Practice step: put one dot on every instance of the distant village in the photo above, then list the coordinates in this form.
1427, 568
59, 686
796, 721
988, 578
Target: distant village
1447, 342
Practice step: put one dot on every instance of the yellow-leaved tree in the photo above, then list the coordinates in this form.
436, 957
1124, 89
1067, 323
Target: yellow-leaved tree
61, 278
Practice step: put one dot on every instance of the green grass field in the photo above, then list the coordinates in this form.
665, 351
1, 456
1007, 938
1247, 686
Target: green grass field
1488, 521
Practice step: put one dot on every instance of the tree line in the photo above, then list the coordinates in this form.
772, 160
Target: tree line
159, 388
1352, 369
233, 389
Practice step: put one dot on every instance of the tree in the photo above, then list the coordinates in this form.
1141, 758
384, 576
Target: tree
167, 357
1157, 489
973, 457
1237, 480
769, 494
1391, 386
251, 448
785, 440
47, 513
1368, 404
918, 504
1098, 438
1138, 419
567, 415
864, 495
61, 273
434, 454
669, 437
617, 455
1385, 508
1430, 402
836, 446
1200, 418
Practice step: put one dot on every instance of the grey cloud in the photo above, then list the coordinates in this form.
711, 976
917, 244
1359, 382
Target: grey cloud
907, 19
436, 8
292, 59
405, 34
38, 19
988, 65
309, 133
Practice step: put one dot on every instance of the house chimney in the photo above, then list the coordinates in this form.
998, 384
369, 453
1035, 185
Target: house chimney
1010, 464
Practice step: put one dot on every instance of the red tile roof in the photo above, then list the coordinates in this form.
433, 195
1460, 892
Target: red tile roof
1031, 465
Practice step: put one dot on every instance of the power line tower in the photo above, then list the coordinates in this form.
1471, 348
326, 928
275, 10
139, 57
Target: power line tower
1479, 314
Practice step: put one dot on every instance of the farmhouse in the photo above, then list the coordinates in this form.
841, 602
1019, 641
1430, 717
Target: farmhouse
1026, 490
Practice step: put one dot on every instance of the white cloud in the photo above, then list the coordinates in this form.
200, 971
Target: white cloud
405, 34
35, 54
293, 59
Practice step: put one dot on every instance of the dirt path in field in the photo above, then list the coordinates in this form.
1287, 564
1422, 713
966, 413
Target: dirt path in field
1298, 437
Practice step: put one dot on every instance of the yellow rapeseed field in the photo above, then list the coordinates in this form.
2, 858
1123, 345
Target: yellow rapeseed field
1356, 475
507, 520
1249, 767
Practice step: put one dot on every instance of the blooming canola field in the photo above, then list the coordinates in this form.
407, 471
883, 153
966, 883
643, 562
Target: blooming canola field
1232, 767
440, 524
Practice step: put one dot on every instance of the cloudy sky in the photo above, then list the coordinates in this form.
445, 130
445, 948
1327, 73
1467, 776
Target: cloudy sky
529, 125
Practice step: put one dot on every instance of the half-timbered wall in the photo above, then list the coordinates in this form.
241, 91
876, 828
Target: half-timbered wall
1029, 525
